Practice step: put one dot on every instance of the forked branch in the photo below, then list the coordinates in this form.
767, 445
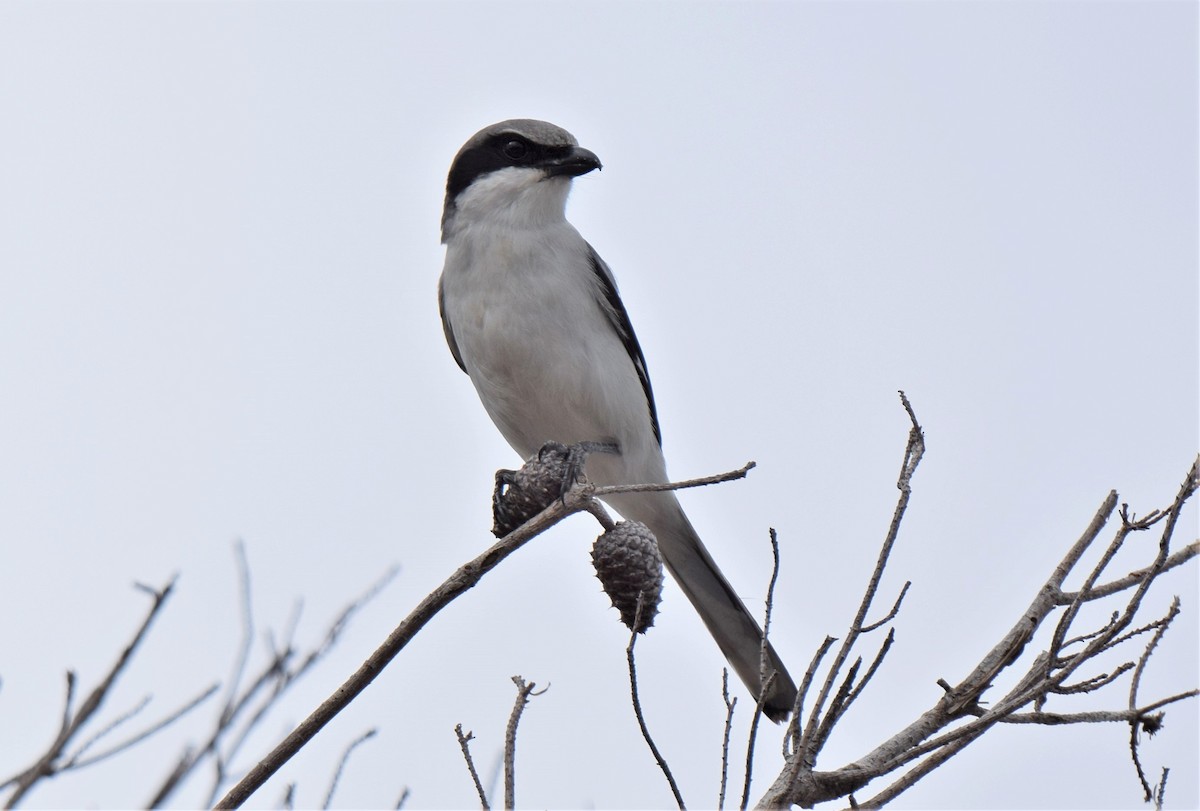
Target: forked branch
581, 497
959, 716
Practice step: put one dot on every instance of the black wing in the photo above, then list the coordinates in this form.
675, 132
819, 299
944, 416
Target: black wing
447, 328
617, 314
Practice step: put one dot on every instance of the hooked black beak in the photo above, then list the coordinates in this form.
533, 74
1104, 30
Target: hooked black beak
573, 163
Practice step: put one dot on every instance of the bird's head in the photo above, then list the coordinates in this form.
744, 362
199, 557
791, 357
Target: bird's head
517, 172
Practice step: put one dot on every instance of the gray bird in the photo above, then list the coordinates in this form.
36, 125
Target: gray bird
532, 315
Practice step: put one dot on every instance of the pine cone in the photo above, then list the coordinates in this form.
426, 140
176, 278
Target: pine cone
628, 564
522, 494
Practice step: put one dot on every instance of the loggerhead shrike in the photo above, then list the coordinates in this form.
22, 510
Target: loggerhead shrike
531, 313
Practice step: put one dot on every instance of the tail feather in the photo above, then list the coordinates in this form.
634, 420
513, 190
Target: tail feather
724, 614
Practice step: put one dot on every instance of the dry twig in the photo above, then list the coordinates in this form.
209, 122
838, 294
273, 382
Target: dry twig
958, 718
464, 741
637, 710
579, 498
51, 761
766, 677
820, 723
1136, 722
77, 761
337, 774
247, 704
524, 692
729, 705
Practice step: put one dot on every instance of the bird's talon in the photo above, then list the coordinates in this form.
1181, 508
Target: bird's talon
576, 456
556, 447
504, 480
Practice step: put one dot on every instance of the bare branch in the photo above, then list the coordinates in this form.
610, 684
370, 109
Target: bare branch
836, 706
279, 674
524, 691
245, 707
1134, 684
1137, 762
1068, 617
1013, 644
247, 607
1093, 634
703, 481
883, 650
268, 682
71, 760
1160, 794
729, 705
77, 761
465, 577
1160, 629
766, 687
1094, 683
337, 775
459, 582
48, 763
68, 701
945, 746
1174, 561
1150, 626
810, 742
891, 615
944, 730
637, 710
65, 724
926, 766
766, 674
1097, 717
464, 744
791, 740
763, 657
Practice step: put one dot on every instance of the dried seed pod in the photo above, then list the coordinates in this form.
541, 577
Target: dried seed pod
629, 564
522, 494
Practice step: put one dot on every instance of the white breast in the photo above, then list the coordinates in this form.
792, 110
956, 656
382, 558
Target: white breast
524, 305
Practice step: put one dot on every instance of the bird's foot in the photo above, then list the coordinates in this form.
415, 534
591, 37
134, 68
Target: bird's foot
547, 475
505, 479
573, 457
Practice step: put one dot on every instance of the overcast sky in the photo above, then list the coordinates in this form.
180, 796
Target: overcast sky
218, 261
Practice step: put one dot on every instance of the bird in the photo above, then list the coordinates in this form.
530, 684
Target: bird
531, 313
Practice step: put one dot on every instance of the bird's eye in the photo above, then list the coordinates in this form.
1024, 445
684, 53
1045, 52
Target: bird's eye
515, 150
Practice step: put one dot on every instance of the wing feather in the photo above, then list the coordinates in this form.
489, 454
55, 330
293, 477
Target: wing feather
617, 314
449, 330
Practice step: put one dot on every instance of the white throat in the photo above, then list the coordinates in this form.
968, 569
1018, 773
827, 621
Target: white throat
512, 198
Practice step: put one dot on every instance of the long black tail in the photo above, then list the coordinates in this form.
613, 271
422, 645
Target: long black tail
737, 632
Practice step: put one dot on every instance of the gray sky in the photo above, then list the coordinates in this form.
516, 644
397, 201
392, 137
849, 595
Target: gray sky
218, 258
